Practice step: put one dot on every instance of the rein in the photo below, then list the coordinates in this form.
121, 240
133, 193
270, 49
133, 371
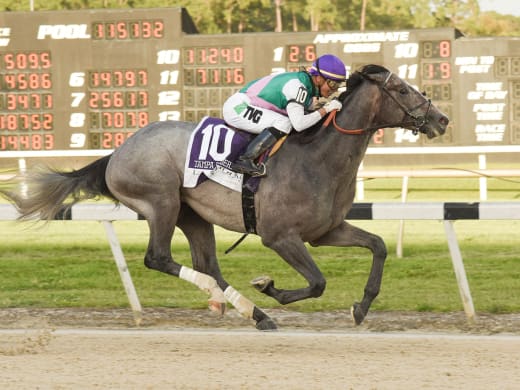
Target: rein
332, 118
417, 120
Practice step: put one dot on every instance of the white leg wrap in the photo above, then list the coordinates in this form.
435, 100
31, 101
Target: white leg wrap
204, 282
241, 303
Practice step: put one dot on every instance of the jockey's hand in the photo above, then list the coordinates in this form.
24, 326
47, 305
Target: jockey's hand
333, 105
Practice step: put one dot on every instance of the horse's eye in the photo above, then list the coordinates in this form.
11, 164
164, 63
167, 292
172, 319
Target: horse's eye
403, 91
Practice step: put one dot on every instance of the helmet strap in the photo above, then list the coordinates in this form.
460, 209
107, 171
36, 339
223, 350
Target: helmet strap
315, 89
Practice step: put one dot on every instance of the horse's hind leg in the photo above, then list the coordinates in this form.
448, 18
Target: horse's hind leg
159, 202
163, 213
201, 237
161, 221
161, 217
347, 235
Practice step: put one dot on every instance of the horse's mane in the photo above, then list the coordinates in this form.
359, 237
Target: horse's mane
357, 77
353, 82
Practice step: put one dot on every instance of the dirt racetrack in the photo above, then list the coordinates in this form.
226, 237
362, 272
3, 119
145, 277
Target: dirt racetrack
189, 349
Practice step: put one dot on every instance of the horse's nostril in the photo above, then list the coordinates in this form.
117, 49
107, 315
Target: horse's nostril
444, 121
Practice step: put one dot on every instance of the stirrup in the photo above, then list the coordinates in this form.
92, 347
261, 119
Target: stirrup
262, 171
253, 170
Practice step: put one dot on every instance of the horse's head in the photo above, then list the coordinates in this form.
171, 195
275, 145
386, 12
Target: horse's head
401, 105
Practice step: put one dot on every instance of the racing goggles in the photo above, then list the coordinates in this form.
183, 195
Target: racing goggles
333, 84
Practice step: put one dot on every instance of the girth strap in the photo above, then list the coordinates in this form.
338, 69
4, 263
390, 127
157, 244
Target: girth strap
248, 208
248, 189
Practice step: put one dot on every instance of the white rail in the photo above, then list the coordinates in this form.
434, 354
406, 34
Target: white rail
397, 150
446, 212
406, 174
400, 150
481, 151
438, 173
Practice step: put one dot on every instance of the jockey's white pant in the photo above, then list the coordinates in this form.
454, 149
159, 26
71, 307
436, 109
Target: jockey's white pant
238, 112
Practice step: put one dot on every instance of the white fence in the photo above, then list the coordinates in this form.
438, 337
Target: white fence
482, 173
446, 212
405, 174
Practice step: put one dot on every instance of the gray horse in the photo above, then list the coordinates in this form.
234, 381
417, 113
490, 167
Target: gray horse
304, 199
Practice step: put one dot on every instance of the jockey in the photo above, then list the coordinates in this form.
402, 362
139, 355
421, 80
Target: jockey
273, 105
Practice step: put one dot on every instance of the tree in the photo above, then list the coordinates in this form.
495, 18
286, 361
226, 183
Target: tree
322, 14
232, 16
294, 15
452, 13
363, 15
388, 14
491, 24
278, 12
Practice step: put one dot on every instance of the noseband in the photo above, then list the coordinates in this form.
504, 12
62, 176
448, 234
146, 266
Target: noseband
416, 119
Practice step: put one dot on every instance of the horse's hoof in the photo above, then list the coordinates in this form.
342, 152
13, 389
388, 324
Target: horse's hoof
266, 324
217, 307
357, 313
261, 283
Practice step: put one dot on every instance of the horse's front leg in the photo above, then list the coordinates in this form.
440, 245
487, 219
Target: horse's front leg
347, 235
294, 252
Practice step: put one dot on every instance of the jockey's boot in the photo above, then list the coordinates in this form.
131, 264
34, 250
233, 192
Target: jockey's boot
263, 141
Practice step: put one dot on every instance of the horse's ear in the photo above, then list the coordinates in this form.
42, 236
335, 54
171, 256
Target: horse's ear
375, 73
378, 78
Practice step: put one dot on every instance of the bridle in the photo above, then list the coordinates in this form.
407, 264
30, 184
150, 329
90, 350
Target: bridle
416, 119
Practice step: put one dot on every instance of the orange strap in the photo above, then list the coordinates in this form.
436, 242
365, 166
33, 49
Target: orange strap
332, 117
277, 145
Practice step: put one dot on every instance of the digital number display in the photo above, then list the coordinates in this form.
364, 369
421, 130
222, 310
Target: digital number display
25, 101
214, 77
299, 57
436, 49
213, 55
122, 30
25, 81
106, 140
117, 99
301, 53
436, 71
26, 104
507, 66
436, 75
89, 79
118, 78
209, 70
32, 122
27, 142
118, 119
25, 60
437, 91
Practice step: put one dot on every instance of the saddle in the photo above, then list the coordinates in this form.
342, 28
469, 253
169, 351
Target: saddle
213, 146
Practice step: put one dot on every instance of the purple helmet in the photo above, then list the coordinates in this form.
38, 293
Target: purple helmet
330, 67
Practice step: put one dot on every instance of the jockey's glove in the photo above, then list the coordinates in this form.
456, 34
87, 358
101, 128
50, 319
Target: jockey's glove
333, 105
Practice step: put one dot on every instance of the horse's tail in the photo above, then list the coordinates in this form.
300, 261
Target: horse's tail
46, 194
